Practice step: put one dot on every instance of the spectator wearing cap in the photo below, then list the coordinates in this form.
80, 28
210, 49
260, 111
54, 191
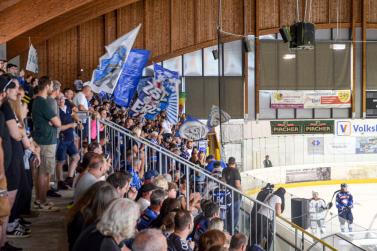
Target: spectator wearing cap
232, 177
149, 176
151, 213
12, 69
145, 195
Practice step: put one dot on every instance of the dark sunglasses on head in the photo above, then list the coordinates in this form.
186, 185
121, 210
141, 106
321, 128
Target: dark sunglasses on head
9, 85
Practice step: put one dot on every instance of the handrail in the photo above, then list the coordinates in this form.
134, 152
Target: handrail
317, 240
181, 160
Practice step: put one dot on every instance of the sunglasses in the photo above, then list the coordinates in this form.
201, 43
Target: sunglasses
9, 85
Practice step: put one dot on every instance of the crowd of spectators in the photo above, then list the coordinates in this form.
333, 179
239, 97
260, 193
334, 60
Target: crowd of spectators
117, 205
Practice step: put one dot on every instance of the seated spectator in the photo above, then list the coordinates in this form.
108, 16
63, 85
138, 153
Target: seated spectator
121, 182
211, 238
169, 205
145, 192
150, 214
82, 168
96, 170
167, 226
150, 240
161, 182
117, 223
238, 242
216, 223
88, 209
172, 190
211, 210
183, 226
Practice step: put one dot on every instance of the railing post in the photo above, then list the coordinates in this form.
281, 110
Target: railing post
187, 187
97, 128
89, 130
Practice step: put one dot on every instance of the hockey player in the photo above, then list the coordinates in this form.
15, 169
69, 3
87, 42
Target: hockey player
344, 203
317, 213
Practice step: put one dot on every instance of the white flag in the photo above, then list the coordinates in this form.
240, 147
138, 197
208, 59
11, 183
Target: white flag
32, 60
214, 117
105, 77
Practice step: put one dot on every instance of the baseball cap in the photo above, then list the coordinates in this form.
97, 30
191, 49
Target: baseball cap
150, 174
344, 185
232, 160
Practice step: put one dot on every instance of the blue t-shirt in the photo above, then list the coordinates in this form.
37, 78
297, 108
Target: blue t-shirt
66, 118
211, 164
146, 219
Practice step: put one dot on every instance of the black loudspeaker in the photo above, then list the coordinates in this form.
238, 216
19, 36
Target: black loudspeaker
303, 36
285, 34
215, 54
300, 212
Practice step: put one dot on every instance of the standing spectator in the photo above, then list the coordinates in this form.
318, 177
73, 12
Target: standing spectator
150, 240
66, 145
121, 182
232, 177
45, 122
183, 226
267, 162
81, 100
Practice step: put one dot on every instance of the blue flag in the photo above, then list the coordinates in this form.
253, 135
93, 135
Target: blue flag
106, 76
130, 76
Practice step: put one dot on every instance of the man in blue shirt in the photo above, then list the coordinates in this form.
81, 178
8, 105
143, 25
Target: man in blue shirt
150, 214
211, 162
344, 203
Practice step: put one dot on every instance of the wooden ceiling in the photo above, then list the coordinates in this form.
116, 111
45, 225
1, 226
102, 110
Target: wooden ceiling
75, 31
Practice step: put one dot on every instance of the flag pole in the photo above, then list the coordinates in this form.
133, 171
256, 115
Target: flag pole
220, 55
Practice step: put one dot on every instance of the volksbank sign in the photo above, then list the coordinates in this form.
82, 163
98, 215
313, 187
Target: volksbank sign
357, 127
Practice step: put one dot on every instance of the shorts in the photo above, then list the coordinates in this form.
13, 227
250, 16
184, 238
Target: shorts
64, 148
48, 161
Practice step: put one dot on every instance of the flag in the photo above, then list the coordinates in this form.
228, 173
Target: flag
170, 81
193, 129
32, 60
106, 76
182, 101
214, 117
130, 76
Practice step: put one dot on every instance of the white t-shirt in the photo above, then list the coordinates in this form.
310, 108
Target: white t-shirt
80, 99
166, 126
271, 200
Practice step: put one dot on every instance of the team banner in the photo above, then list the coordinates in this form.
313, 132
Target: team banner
311, 99
130, 76
193, 129
105, 77
32, 60
214, 117
169, 81
302, 127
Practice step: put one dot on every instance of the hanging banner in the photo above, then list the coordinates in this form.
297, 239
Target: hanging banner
168, 80
130, 76
302, 127
32, 60
105, 77
214, 117
327, 99
193, 129
311, 99
315, 145
287, 100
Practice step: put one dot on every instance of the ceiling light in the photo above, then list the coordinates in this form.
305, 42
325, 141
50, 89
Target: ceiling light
289, 56
338, 47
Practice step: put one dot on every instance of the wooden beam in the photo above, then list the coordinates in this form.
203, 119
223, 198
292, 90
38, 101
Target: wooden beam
62, 23
364, 56
353, 31
27, 14
4, 4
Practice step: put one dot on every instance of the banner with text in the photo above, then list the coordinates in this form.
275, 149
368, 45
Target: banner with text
311, 99
356, 127
302, 127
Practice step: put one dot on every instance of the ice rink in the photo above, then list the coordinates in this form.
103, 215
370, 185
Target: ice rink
365, 204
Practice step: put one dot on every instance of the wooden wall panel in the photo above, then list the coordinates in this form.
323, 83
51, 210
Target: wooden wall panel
250, 16
287, 12
91, 46
128, 18
110, 23
157, 28
343, 8
372, 13
62, 57
206, 15
358, 11
182, 24
232, 16
320, 11
270, 17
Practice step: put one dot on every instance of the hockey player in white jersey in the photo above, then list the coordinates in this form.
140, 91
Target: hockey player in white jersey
317, 214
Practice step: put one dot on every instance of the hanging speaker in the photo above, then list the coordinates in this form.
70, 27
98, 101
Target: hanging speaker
248, 43
215, 54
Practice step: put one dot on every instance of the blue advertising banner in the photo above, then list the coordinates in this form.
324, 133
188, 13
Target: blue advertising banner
130, 76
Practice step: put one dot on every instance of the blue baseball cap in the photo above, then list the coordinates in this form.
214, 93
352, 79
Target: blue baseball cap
150, 174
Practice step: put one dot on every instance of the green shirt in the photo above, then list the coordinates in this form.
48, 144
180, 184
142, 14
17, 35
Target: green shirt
42, 113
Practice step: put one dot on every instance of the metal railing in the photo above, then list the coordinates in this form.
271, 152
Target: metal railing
139, 154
